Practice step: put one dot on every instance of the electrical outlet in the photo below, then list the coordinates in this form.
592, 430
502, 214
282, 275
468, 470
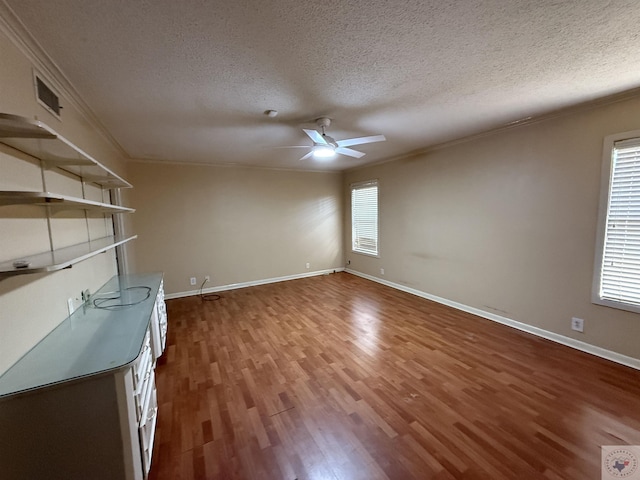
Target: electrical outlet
85, 295
193, 280
577, 324
348, 262
207, 278
382, 271
308, 265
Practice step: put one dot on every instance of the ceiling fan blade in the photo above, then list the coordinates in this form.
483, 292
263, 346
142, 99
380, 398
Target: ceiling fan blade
315, 136
359, 141
307, 155
349, 152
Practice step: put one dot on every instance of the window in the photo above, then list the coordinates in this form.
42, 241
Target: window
617, 277
364, 217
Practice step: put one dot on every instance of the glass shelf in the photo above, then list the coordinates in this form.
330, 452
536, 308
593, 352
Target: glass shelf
58, 202
61, 258
40, 141
91, 341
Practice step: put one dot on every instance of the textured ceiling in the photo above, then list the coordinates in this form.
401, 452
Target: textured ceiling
189, 80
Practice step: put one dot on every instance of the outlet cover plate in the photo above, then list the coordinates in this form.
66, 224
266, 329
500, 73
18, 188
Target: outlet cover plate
577, 324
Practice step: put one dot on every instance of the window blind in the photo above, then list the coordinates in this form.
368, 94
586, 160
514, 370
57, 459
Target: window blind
620, 272
364, 217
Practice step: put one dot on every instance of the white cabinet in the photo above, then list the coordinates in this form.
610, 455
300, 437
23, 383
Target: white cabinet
82, 404
81, 430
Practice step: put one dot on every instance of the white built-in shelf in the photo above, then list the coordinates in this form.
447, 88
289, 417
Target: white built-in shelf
40, 141
58, 202
61, 258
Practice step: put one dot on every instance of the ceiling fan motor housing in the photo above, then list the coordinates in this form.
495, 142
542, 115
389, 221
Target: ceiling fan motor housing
323, 122
330, 140
325, 146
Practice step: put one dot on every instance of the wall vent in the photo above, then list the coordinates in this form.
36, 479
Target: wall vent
47, 97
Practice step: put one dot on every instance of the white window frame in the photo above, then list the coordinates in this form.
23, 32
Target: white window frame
597, 296
354, 248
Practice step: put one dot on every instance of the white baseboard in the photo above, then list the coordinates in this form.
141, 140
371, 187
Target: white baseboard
567, 341
253, 283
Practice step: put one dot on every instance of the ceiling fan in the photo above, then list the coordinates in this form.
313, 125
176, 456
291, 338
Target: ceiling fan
325, 146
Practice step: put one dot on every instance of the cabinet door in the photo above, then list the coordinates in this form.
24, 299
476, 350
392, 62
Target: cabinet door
142, 373
79, 430
148, 425
159, 324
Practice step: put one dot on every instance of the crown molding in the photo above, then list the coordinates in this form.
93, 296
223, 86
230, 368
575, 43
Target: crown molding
21, 37
248, 166
524, 122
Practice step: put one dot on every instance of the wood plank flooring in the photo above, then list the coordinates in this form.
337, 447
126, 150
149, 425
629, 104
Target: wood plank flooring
339, 378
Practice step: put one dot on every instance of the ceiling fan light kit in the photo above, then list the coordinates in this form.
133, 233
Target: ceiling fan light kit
325, 146
324, 151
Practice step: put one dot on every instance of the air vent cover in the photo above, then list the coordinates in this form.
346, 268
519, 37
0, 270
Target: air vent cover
47, 98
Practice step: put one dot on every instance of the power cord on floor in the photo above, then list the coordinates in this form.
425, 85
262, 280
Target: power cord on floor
208, 297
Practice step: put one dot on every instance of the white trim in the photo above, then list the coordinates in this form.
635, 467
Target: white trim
523, 122
374, 182
603, 206
365, 183
253, 283
156, 161
539, 332
368, 254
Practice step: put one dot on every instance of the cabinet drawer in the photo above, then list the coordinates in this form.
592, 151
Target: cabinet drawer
159, 325
147, 428
144, 363
142, 397
143, 377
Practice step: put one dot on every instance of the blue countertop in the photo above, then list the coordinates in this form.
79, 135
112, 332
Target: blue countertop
92, 340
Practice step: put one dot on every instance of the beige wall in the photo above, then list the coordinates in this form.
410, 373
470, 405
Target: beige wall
32, 305
232, 223
505, 224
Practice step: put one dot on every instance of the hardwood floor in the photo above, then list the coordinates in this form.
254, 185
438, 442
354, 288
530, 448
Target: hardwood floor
339, 378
